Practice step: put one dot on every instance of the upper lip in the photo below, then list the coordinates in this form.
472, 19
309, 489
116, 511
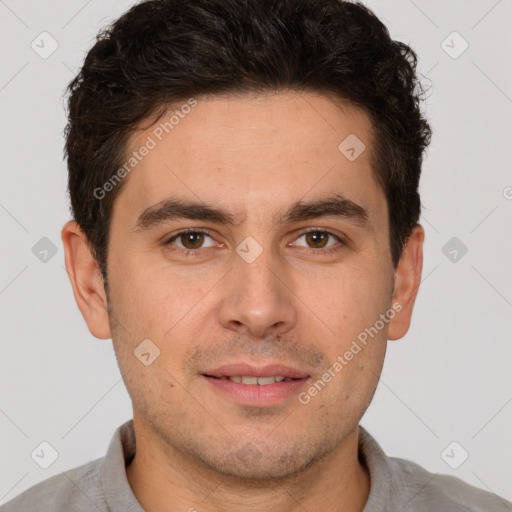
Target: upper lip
248, 370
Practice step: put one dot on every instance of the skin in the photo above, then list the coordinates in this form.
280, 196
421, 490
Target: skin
254, 156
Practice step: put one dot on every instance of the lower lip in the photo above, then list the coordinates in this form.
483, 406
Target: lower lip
256, 395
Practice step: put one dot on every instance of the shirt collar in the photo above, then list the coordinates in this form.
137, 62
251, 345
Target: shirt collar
118, 493
381, 476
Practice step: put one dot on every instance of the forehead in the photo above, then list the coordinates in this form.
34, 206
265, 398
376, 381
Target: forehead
254, 154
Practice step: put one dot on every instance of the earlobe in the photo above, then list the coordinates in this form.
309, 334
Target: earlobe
407, 282
86, 280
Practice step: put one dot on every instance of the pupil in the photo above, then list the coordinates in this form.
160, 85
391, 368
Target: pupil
318, 236
190, 240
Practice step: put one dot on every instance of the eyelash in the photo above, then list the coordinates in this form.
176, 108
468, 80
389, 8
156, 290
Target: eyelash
309, 250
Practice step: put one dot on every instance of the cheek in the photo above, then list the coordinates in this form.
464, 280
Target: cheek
357, 334
353, 300
149, 299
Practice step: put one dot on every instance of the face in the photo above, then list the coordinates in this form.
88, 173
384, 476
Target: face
285, 262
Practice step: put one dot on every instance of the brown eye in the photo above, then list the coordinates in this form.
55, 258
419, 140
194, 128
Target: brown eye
192, 240
317, 239
189, 240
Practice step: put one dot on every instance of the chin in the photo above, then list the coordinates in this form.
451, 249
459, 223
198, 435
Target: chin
254, 465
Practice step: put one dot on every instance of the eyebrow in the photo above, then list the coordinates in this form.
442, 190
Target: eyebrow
175, 209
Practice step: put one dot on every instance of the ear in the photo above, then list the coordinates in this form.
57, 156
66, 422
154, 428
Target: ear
86, 280
407, 282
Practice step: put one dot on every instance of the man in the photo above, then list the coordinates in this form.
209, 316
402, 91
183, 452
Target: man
244, 185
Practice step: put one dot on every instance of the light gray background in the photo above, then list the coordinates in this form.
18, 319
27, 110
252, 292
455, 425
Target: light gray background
448, 380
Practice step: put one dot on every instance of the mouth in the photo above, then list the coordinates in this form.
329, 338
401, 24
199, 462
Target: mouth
265, 386
253, 381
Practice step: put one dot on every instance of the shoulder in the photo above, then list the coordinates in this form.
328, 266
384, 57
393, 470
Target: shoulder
75, 490
426, 491
400, 484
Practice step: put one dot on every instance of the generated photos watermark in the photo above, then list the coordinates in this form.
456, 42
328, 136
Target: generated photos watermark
150, 143
355, 348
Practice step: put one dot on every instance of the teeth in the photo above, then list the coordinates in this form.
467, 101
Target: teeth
262, 381
249, 380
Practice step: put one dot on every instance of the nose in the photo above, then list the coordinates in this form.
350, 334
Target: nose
257, 300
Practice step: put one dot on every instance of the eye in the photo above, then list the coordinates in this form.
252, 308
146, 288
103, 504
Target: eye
190, 240
317, 240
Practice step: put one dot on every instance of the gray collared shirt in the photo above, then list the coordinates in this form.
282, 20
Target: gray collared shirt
396, 485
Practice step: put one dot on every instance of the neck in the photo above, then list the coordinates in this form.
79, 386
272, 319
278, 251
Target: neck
164, 480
